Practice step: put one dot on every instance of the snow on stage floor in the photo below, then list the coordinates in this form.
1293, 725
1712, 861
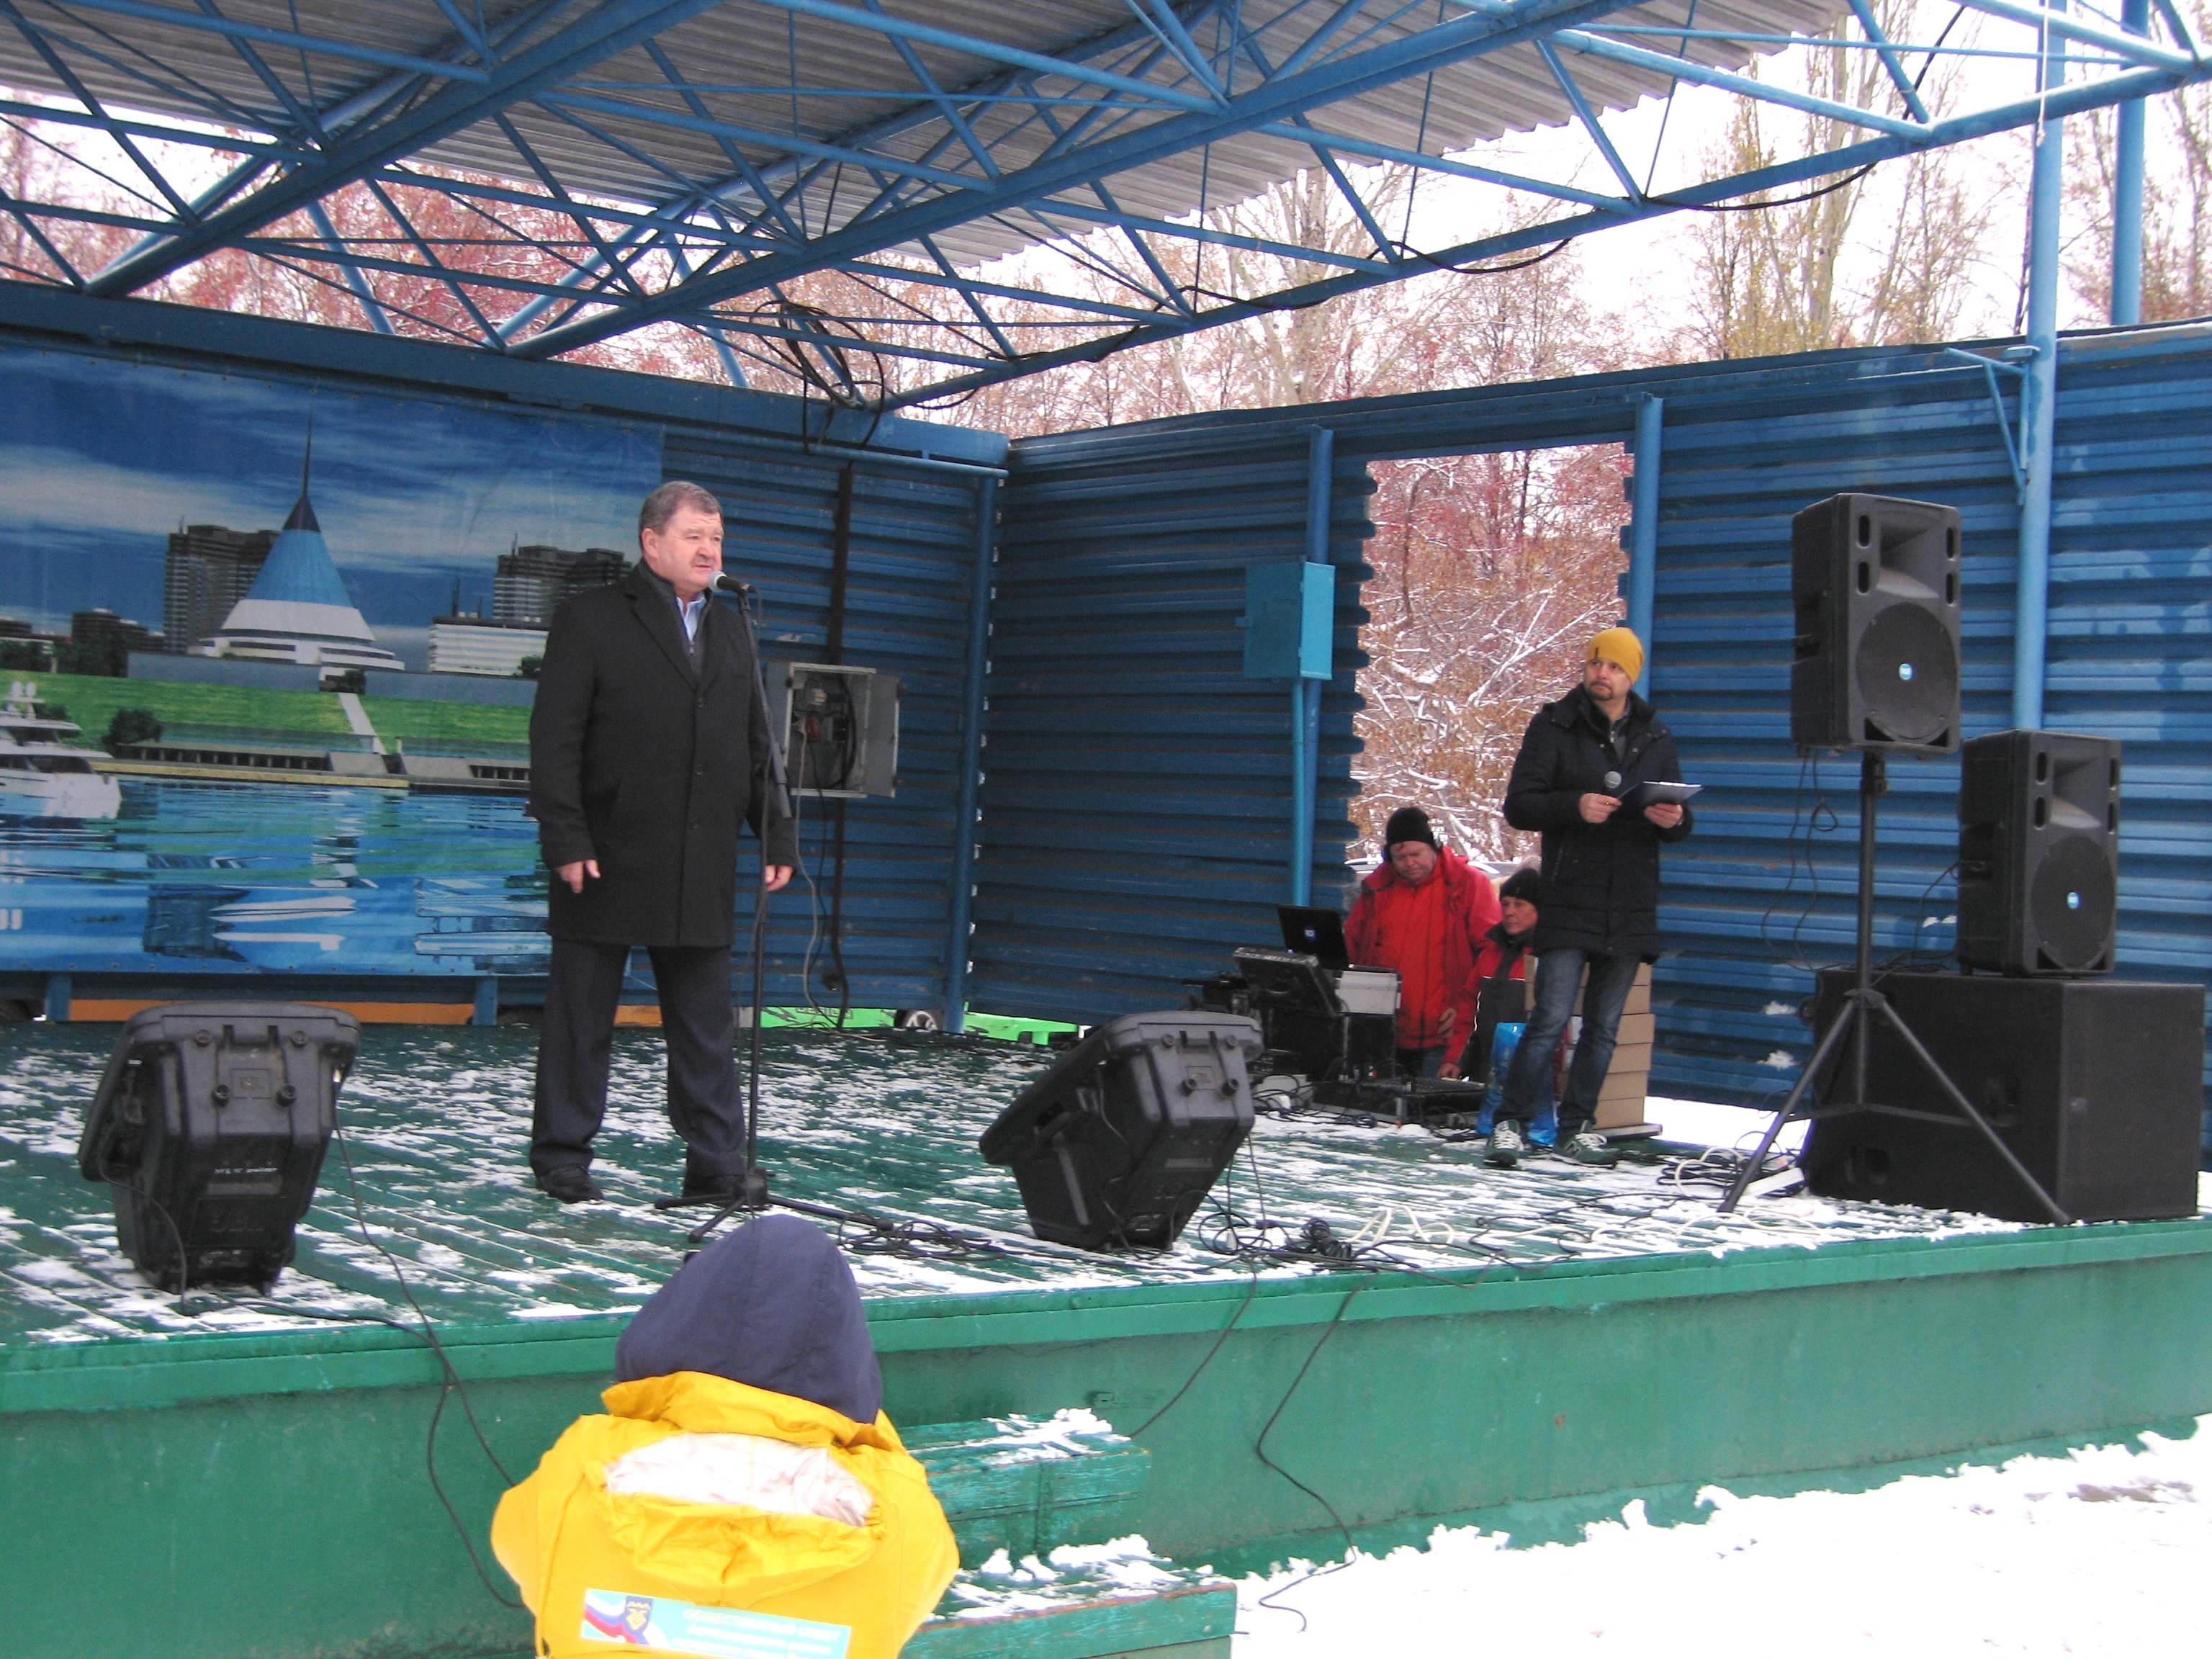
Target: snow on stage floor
435, 1131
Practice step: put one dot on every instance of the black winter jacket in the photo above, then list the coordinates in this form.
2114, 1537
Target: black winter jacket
649, 766
1601, 880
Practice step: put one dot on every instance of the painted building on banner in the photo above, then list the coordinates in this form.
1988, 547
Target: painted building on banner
298, 609
482, 644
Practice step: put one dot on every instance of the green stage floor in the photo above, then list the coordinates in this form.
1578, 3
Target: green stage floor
435, 1122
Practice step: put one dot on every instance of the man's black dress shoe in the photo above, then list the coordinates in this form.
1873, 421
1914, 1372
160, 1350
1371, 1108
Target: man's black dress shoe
745, 1186
571, 1183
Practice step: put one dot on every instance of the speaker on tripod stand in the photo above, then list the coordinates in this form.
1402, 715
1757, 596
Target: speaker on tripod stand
1874, 581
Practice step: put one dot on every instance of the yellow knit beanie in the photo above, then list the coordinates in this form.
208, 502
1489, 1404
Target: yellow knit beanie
1621, 647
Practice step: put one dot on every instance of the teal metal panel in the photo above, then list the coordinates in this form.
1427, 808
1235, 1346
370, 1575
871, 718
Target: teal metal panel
1290, 621
1137, 787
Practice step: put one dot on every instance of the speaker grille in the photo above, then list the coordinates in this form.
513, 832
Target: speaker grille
2071, 900
1908, 675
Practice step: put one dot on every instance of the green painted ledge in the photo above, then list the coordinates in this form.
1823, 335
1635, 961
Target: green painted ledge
141, 1373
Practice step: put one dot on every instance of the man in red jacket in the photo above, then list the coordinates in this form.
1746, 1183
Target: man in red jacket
1424, 914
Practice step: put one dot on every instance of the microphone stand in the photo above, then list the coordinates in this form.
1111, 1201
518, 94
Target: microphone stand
752, 1180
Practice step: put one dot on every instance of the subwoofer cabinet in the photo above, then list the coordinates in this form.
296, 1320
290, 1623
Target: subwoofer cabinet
2097, 1085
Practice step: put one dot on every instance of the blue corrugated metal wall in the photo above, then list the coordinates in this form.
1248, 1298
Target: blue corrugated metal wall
2130, 606
908, 611
1746, 446
1137, 789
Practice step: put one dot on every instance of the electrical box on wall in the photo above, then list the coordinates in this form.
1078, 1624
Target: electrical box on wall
1290, 615
839, 727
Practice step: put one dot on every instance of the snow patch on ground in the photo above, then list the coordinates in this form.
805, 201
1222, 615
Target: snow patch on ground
1073, 1572
2095, 1553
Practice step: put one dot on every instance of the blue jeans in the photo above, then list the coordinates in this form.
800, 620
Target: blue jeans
1557, 973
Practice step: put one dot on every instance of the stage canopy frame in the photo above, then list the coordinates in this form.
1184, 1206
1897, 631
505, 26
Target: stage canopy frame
701, 157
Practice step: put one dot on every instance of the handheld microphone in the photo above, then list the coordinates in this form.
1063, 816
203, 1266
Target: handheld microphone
729, 584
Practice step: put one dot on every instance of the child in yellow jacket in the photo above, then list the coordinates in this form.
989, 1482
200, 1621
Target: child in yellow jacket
744, 1485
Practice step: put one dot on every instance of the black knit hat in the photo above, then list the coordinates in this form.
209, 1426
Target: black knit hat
1407, 824
1523, 884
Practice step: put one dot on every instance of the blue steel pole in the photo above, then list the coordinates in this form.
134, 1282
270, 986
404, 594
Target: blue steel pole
971, 757
2040, 391
1305, 695
2128, 189
1644, 530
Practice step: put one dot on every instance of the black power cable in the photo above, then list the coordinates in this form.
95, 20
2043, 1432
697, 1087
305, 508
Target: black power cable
450, 1382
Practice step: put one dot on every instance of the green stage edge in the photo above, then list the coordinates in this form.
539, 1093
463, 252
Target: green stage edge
265, 1498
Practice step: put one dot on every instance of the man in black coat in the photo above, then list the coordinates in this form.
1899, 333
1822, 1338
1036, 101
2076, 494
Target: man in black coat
1581, 756
649, 747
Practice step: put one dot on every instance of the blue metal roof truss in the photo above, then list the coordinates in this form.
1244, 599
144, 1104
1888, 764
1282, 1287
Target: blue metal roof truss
960, 130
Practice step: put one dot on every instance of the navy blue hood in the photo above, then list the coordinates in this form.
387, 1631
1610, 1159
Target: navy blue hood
772, 1305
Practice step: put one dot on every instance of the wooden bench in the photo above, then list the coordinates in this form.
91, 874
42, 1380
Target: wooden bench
1037, 1505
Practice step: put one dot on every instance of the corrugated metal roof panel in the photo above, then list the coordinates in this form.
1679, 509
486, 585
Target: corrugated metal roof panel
740, 57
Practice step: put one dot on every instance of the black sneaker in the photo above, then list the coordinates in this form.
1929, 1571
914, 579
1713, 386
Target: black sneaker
571, 1183
1593, 1149
1507, 1145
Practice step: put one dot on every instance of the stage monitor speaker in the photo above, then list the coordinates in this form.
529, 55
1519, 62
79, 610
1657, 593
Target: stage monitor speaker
2038, 853
1875, 584
2097, 1086
1118, 1143
209, 1127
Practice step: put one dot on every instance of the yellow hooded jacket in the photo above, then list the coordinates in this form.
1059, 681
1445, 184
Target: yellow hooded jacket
561, 1532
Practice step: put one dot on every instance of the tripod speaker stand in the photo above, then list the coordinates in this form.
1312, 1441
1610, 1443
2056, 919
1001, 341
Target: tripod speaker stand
1855, 1023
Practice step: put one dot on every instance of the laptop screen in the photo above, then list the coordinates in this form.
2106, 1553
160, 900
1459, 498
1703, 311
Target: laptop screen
1315, 931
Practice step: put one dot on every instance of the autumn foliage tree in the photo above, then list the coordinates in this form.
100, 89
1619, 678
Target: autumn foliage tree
1874, 257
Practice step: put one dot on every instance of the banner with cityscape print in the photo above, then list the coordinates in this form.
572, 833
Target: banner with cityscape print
267, 651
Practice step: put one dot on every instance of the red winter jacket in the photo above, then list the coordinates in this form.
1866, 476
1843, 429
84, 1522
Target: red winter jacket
1376, 933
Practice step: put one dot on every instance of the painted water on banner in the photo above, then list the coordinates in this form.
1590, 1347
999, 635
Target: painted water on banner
206, 579
228, 878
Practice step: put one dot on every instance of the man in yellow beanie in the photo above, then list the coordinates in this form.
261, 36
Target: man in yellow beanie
1581, 757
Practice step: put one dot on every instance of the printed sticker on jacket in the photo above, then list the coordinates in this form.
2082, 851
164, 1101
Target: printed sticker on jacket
671, 1627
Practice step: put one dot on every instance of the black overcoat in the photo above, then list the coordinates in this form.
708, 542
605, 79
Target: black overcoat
1601, 880
648, 766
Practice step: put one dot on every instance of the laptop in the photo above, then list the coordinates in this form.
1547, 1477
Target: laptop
1317, 932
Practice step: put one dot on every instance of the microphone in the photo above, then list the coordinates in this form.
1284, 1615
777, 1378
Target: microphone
729, 584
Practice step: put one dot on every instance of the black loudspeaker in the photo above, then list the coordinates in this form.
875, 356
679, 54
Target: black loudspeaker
1117, 1144
2038, 853
1874, 583
211, 1125
2097, 1086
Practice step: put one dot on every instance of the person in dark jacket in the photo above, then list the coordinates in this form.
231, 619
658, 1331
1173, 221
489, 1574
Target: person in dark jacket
1501, 970
649, 747
1600, 881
